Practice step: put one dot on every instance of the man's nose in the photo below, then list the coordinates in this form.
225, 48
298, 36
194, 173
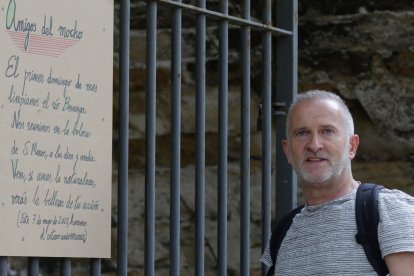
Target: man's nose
315, 143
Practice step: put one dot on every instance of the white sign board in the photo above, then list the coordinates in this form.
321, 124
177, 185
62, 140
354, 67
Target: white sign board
56, 70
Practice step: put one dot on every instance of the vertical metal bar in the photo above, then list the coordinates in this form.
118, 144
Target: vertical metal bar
286, 88
150, 127
65, 267
4, 266
122, 240
33, 266
200, 139
266, 125
223, 129
175, 142
245, 160
95, 265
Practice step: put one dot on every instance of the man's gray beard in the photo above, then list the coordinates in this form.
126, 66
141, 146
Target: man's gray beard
328, 176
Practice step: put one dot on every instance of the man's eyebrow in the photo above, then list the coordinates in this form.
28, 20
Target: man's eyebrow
304, 128
296, 130
329, 126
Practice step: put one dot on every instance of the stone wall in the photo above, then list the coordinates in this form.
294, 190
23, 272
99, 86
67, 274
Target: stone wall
362, 50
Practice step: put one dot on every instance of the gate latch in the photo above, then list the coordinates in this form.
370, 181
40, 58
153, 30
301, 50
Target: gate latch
278, 109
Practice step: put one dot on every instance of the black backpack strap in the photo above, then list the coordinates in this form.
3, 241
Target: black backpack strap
367, 219
278, 234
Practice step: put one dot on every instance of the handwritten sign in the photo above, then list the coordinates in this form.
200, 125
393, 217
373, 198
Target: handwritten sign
56, 63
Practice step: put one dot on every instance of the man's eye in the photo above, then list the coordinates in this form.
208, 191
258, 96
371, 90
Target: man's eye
328, 131
301, 133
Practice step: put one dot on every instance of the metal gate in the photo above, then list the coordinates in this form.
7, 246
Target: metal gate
278, 90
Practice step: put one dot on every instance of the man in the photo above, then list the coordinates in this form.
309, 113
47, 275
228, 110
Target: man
320, 145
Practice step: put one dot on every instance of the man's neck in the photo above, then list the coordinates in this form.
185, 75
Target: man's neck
319, 193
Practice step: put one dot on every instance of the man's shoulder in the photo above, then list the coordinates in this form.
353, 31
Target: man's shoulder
395, 195
395, 205
395, 229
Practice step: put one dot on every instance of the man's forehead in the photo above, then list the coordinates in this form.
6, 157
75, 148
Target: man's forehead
317, 104
325, 110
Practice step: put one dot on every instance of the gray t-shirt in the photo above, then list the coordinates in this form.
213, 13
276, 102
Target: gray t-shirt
321, 239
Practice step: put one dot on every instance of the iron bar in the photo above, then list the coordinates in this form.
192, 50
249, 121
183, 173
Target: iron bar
200, 139
267, 125
286, 88
122, 225
150, 129
33, 266
65, 267
4, 266
224, 16
245, 138
95, 267
222, 132
175, 142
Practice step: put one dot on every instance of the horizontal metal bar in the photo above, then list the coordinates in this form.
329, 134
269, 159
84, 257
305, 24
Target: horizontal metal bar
231, 19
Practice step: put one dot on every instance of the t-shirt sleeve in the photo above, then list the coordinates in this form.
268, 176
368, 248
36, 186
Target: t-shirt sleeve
266, 258
396, 226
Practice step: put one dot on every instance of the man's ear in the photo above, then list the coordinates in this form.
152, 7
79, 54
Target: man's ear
286, 150
353, 145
